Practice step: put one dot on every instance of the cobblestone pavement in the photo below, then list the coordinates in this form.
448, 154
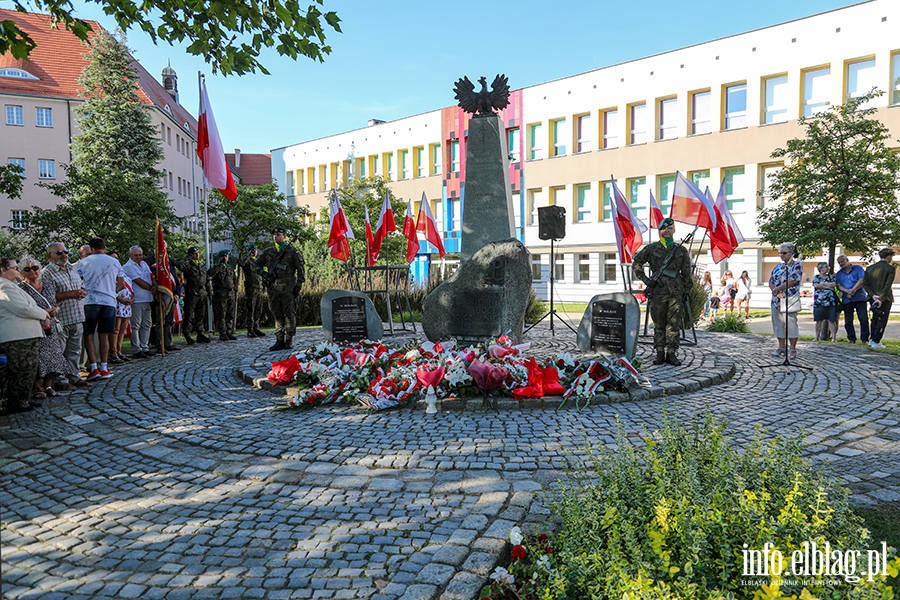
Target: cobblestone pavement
175, 479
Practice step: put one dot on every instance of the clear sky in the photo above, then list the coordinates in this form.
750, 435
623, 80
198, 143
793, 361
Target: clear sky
397, 58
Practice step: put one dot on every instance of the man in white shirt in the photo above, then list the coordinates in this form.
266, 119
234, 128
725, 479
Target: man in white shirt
103, 278
144, 287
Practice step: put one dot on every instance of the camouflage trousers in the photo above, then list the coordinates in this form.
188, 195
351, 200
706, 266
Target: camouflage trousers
284, 308
253, 302
667, 315
194, 314
223, 311
21, 370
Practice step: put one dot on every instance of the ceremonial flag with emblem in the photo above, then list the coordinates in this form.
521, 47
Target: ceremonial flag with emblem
164, 279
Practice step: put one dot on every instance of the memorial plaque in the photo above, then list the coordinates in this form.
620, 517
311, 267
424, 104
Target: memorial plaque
475, 313
608, 331
348, 319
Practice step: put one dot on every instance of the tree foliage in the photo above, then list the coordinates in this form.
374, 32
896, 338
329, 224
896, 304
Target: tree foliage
228, 34
252, 216
838, 186
112, 188
11, 180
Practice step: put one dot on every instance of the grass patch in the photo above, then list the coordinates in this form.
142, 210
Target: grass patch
415, 316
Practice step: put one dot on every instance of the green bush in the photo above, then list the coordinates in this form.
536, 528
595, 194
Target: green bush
672, 520
536, 308
729, 323
697, 300
416, 316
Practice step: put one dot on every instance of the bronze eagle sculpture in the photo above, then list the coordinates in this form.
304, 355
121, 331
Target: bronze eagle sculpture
483, 102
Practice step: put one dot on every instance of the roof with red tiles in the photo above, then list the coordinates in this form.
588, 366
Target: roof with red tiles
59, 59
256, 169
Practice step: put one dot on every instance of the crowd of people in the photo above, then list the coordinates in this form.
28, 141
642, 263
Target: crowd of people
62, 323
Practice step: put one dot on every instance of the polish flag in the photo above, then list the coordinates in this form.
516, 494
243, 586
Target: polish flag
340, 230
690, 205
209, 149
727, 236
164, 279
409, 230
385, 225
628, 227
425, 222
656, 216
371, 253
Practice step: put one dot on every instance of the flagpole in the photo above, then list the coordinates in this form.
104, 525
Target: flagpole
160, 331
209, 323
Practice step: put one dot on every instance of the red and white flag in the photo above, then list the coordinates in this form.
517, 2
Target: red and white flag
340, 230
727, 236
656, 216
371, 254
628, 227
690, 205
425, 222
409, 230
164, 280
210, 151
385, 225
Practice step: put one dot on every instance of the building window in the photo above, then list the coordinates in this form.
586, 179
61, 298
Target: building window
43, 117
435, 159
535, 147
583, 133
19, 219
668, 118
895, 78
388, 165
607, 191
536, 271
16, 73
638, 195
735, 106
610, 129
514, 141
290, 183
454, 156
437, 209
323, 178
775, 101
171, 181
557, 129
361, 168
699, 178
419, 162
765, 181
664, 192
456, 214
46, 169
861, 77
14, 115
162, 131
376, 165
169, 134
584, 268
311, 175
700, 112
404, 164
816, 91
637, 123
610, 267
301, 182
20, 162
536, 200
583, 203
734, 189
559, 269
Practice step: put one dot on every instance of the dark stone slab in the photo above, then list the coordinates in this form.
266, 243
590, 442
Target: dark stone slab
349, 316
610, 325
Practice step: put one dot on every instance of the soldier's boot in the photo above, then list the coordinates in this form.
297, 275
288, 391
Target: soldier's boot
189, 340
258, 332
223, 337
289, 342
279, 345
202, 338
660, 357
672, 358
231, 336
250, 333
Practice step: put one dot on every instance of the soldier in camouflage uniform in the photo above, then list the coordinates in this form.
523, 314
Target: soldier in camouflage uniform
253, 291
196, 287
222, 278
667, 298
282, 269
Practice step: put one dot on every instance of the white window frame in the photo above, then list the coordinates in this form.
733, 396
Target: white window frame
21, 163
583, 133
15, 117
813, 106
611, 129
734, 118
775, 101
668, 118
701, 124
46, 168
18, 219
855, 70
583, 261
514, 139
535, 139
637, 123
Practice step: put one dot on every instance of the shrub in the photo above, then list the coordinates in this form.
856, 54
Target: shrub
729, 323
697, 300
536, 308
672, 520
407, 317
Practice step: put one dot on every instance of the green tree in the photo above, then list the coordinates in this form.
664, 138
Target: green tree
228, 34
838, 186
112, 188
11, 181
252, 216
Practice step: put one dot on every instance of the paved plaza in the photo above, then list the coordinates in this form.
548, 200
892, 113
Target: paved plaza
178, 479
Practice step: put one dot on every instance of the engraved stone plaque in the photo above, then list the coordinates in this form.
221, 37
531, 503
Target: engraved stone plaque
475, 313
608, 331
348, 319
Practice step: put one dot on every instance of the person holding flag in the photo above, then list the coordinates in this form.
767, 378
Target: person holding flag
667, 289
283, 272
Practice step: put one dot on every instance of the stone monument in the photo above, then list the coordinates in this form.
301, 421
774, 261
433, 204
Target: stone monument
610, 325
485, 298
488, 214
349, 316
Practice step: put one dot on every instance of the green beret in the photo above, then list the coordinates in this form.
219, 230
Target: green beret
222, 253
279, 230
251, 247
666, 222
193, 249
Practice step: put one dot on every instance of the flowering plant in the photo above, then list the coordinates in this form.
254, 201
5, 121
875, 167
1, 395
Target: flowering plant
531, 566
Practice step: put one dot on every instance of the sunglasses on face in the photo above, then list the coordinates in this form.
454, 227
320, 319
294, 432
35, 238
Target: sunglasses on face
27, 269
61, 252
11, 268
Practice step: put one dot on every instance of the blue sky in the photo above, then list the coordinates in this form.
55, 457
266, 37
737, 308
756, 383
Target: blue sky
401, 57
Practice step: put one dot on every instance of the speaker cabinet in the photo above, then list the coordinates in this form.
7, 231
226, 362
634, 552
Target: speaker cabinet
551, 222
